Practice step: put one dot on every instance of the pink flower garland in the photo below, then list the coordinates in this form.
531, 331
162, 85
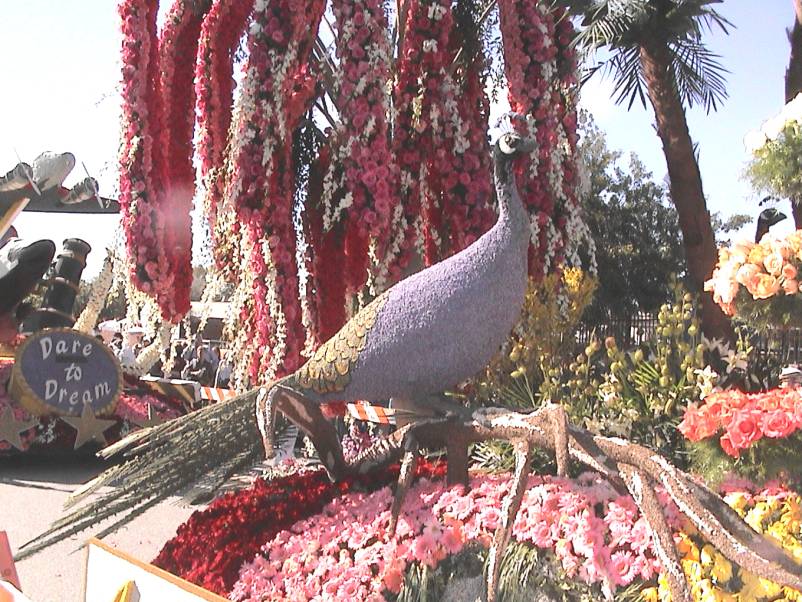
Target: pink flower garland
345, 552
140, 158
214, 88
744, 418
540, 68
262, 182
363, 177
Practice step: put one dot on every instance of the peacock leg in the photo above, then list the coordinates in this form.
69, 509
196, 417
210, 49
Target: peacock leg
458, 461
306, 414
559, 423
408, 464
642, 492
509, 510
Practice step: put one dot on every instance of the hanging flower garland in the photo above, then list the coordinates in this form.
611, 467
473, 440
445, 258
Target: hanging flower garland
461, 173
87, 321
277, 91
326, 288
140, 158
178, 46
424, 58
362, 177
541, 76
220, 34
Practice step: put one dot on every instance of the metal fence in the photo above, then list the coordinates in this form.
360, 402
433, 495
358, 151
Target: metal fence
784, 344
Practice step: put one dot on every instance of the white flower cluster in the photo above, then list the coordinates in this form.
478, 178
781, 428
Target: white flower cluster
772, 128
87, 321
279, 349
430, 45
148, 357
436, 12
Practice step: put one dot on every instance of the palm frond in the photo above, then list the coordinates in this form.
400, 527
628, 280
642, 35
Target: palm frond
698, 74
217, 440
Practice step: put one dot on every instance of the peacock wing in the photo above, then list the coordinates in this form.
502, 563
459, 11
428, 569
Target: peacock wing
329, 369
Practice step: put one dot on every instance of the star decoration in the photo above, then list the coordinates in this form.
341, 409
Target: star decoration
11, 428
88, 427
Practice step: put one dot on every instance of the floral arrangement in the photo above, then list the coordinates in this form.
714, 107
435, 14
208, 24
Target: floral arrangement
178, 45
758, 433
140, 155
214, 543
775, 150
87, 321
156, 172
758, 282
261, 186
48, 434
440, 140
541, 72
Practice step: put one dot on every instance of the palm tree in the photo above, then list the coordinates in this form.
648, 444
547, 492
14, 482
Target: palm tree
654, 48
793, 79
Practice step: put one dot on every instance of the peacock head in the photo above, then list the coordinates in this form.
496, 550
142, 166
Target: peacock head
512, 144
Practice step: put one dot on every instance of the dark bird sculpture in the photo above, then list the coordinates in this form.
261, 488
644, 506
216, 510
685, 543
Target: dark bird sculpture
422, 336
768, 218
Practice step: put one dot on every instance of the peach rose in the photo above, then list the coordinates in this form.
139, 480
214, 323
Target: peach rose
746, 273
791, 287
763, 286
778, 424
789, 271
773, 263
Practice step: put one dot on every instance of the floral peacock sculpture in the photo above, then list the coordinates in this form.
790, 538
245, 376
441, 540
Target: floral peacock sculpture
425, 334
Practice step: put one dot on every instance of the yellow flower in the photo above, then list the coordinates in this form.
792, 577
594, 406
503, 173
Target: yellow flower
692, 570
757, 254
649, 594
707, 556
722, 569
756, 516
792, 594
737, 501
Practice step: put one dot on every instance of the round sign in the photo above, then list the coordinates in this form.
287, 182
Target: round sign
60, 370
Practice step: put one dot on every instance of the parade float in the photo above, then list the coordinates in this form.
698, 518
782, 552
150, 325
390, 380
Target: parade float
352, 152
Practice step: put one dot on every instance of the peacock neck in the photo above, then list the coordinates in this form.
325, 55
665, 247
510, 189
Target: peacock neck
511, 212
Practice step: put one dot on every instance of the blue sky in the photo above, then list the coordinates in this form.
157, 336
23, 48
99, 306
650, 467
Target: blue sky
60, 61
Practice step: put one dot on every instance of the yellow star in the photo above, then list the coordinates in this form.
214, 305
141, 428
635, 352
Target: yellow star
11, 428
88, 427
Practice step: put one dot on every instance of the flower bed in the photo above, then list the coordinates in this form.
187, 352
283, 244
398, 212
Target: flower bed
301, 537
51, 434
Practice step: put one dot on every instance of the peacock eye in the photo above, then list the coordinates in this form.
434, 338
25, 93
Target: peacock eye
506, 144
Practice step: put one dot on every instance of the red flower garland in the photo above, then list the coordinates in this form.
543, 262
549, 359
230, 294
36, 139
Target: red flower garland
214, 543
214, 88
177, 50
262, 183
424, 57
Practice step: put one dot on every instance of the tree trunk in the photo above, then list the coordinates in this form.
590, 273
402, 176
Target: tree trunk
685, 182
793, 82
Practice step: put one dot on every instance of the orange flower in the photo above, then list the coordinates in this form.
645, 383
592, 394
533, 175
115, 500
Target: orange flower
789, 271
773, 263
746, 273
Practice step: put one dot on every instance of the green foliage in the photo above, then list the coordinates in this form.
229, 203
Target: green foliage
635, 228
640, 394
777, 166
764, 460
625, 26
527, 573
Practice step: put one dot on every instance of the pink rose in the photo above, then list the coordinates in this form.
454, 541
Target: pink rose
791, 287
744, 428
778, 424
789, 271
